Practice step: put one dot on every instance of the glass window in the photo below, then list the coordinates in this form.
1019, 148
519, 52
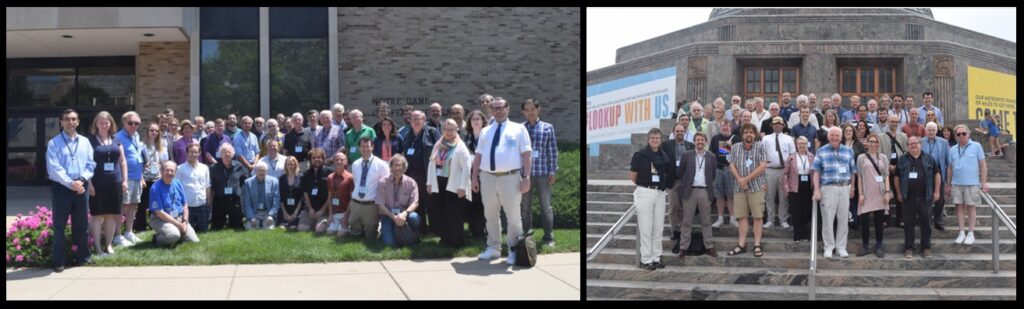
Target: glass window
867, 80
849, 80
98, 86
298, 75
885, 80
21, 132
41, 87
229, 78
771, 81
222, 23
754, 80
298, 22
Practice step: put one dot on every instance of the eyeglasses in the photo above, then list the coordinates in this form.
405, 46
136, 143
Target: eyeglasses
499, 107
133, 123
961, 134
154, 130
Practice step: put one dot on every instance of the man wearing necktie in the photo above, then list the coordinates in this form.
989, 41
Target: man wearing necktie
503, 165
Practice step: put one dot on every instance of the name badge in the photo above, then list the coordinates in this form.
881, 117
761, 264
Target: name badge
410, 151
73, 169
298, 149
879, 179
291, 202
842, 169
677, 163
107, 167
315, 190
336, 201
913, 175
229, 190
750, 162
535, 155
353, 150
804, 178
655, 178
439, 171
893, 155
260, 207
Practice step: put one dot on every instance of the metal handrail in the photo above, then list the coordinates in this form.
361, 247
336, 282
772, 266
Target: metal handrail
997, 212
814, 245
603, 242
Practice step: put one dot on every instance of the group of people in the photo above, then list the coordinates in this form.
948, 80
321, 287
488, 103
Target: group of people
855, 163
432, 174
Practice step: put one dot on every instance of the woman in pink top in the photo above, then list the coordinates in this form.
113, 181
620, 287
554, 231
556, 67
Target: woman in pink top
875, 195
796, 182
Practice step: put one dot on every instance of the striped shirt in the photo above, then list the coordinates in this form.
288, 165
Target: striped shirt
834, 166
545, 152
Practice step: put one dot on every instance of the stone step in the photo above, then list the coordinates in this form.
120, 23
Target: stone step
950, 209
854, 244
610, 196
778, 232
798, 277
801, 260
949, 221
628, 188
614, 289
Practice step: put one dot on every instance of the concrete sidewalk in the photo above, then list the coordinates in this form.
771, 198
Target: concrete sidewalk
556, 276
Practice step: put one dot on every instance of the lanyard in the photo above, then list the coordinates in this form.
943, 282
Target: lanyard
68, 145
961, 150
801, 162
700, 162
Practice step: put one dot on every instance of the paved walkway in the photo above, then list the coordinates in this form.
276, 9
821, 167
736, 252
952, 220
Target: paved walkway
556, 276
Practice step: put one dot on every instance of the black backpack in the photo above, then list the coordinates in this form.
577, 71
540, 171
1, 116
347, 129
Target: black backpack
526, 250
696, 245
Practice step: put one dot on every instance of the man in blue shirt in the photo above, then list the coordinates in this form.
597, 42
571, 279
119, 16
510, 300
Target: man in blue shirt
936, 147
133, 148
965, 167
168, 209
247, 146
545, 165
69, 164
833, 168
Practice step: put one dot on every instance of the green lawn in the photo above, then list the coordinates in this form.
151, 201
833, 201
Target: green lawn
280, 246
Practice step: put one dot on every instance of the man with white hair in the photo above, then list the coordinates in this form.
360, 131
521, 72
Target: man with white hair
872, 111
261, 199
697, 122
297, 143
793, 119
329, 137
168, 209
766, 125
338, 119
356, 132
834, 166
435, 116
734, 109
758, 116
936, 147
247, 146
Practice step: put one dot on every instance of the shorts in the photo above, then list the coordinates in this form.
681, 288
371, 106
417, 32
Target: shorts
968, 195
724, 184
747, 204
134, 194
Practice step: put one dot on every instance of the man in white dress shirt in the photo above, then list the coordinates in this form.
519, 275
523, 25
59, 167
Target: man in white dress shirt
779, 146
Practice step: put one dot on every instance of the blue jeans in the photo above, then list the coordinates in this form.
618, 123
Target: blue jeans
199, 217
387, 228
68, 204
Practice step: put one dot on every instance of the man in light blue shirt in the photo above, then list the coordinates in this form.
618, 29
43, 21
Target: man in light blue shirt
70, 165
966, 170
261, 199
927, 97
246, 144
133, 148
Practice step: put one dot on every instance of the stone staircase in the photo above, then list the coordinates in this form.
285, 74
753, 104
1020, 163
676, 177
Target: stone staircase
954, 272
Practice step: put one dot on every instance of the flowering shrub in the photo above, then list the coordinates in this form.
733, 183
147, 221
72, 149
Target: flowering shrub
30, 239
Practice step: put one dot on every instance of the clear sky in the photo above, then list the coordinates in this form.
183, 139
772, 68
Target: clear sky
611, 28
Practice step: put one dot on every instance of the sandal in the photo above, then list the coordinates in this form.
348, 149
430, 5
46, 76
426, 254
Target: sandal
757, 251
737, 250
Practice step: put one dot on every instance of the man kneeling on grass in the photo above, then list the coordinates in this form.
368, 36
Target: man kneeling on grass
261, 199
397, 199
168, 209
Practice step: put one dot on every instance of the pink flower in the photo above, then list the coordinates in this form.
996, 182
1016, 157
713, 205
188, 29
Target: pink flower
27, 240
19, 258
74, 248
18, 247
40, 242
8, 258
15, 241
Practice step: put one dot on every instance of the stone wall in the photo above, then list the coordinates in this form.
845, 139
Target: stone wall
162, 79
452, 55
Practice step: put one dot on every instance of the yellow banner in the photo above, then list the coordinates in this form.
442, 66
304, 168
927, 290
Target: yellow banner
992, 91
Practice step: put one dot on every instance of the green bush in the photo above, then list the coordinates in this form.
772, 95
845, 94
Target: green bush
565, 195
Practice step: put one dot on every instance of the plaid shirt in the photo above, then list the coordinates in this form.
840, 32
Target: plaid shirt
330, 141
830, 164
756, 155
545, 152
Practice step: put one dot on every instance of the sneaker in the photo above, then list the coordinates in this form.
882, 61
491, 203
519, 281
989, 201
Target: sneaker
718, 222
550, 243
828, 254
121, 241
131, 236
927, 253
908, 254
768, 224
734, 222
785, 225
511, 260
843, 254
489, 254
970, 239
960, 239
658, 264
